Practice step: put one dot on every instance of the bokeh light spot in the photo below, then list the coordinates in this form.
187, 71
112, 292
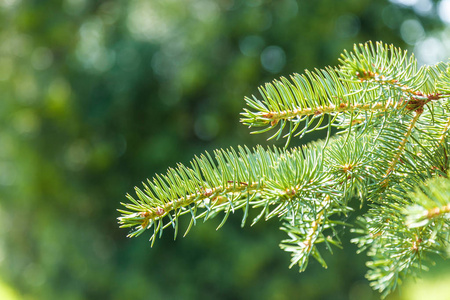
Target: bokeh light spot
91, 51
411, 31
146, 23
273, 59
206, 11
9, 3
423, 7
404, 2
430, 51
444, 10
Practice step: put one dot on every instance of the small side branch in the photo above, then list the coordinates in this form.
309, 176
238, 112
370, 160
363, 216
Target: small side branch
402, 145
313, 232
305, 235
444, 133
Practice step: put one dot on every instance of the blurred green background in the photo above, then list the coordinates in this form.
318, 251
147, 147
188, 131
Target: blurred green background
96, 96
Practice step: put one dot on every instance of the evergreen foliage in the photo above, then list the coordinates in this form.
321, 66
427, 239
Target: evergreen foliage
390, 153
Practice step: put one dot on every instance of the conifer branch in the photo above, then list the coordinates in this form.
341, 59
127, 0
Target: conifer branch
275, 177
368, 80
307, 232
308, 103
390, 153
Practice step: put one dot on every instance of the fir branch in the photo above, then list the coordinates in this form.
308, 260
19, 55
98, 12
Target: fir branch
390, 153
369, 80
306, 100
235, 180
206, 185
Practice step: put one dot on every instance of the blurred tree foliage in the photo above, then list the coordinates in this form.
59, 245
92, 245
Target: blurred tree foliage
98, 95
